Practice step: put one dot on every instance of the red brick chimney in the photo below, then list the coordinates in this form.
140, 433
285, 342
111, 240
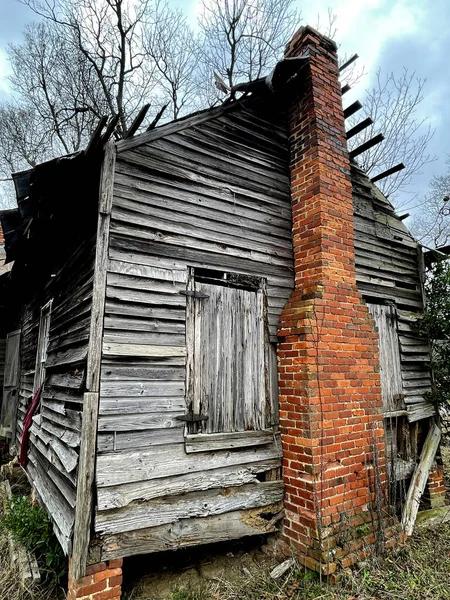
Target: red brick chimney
330, 397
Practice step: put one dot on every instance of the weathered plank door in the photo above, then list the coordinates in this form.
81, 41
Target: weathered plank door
227, 354
11, 384
390, 366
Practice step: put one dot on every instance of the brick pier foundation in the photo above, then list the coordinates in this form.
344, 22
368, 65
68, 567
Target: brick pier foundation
103, 581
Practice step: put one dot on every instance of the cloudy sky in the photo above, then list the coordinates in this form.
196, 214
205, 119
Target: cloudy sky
391, 34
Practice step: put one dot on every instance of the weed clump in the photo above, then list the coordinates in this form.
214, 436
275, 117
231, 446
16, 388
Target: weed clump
30, 526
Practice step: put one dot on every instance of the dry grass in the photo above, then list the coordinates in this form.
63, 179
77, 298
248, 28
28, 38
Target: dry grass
11, 587
420, 571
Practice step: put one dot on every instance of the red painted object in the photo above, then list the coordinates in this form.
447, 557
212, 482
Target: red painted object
27, 425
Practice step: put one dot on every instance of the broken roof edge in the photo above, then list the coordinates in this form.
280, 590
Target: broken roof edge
284, 72
176, 125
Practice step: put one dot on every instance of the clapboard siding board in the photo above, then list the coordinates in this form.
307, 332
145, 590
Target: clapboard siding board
55, 433
205, 503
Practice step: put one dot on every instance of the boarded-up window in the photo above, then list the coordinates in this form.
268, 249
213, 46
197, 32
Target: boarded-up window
228, 379
390, 367
10, 385
42, 346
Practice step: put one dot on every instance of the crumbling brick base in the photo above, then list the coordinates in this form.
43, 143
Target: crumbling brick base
103, 581
436, 487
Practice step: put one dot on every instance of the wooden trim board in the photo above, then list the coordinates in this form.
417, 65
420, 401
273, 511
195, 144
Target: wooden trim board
86, 464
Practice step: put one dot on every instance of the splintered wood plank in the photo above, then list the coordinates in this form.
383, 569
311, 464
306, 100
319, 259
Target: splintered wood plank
191, 532
225, 477
419, 479
223, 441
152, 513
159, 462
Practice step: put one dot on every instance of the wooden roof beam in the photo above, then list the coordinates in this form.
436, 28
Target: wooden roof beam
110, 129
95, 137
352, 109
137, 122
155, 121
348, 63
345, 88
388, 172
359, 127
367, 145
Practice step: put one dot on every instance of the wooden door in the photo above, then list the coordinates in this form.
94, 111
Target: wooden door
11, 384
228, 356
390, 366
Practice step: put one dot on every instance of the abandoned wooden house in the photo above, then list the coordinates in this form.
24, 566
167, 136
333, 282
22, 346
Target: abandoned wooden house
160, 282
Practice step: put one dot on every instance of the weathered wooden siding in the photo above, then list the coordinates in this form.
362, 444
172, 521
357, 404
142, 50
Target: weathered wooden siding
55, 433
388, 268
214, 196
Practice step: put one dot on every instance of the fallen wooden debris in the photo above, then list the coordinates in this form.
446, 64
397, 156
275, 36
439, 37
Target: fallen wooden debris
419, 479
281, 569
432, 517
26, 561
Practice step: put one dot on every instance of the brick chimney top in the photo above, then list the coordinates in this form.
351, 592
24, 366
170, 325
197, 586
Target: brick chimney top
305, 37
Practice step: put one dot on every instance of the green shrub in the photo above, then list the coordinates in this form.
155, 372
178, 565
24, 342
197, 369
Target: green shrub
31, 527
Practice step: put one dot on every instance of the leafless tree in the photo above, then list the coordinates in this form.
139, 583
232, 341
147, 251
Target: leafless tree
431, 221
173, 47
242, 39
109, 35
56, 89
393, 105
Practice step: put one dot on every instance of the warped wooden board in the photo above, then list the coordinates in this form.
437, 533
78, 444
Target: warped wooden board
168, 369
141, 338
57, 508
135, 282
145, 404
226, 441
205, 503
65, 357
172, 158
158, 462
420, 410
128, 307
135, 422
191, 532
145, 297
130, 227
116, 441
198, 149
154, 273
420, 478
136, 389
66, 488
225, 477
113, 349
